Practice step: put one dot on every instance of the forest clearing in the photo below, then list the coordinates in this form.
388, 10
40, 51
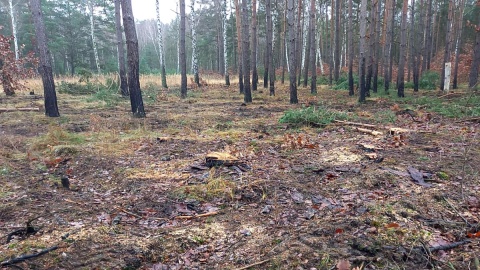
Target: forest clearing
297, 189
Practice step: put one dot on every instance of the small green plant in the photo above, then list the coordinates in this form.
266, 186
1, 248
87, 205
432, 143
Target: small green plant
429, 80
312, 116
443, 175
385, 116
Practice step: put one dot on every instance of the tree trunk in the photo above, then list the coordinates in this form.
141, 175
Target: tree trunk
298, 44
284, 55
458, 43
14, 29
387, 51
254, 46
427, 44
351, 49
338, 7
403, 50
92, 35
224, 36
194, 43
120, 50
414, 48
136, 100
45, 66
160, 45
291, 53
361, 60
307, 41
376, 48
239, 47
183, 56
269, 68
448, 41
474, 69
313, 60
247, 98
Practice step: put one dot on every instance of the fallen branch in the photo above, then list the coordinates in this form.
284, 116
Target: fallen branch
354, 124
197, 216
28, 256
28, 109
474, 119
368, 131
253, 264
449, 246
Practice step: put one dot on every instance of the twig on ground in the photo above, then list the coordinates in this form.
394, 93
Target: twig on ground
26, 257
253, 264
449, 246
354, 124
2, 110
456, 211
371, 132
197, 216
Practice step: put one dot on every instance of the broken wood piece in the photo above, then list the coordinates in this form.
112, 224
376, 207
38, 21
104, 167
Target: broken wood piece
417, 177
253, 264
197, 216
220, 158
369, 147
449, 246
26, 257
368, 131
354, 124
397, 131
27, 109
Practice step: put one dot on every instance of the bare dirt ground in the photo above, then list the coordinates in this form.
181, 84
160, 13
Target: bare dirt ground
325, 197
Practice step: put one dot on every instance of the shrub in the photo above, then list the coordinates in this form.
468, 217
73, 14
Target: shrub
312, 116
429, 80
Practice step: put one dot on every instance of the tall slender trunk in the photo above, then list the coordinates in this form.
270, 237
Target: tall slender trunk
225, 49
361, 60
307, 44
45, 66
160, 45
298, 44
370, 54
351, 50
403, 50
239, 46
338, 7
291, 51
182, 51
254, 46
247, 97
427, 47
269, 56
120, 50
448, 43
136, 100
474, 69
414, 40
193, 16
14, 29
284, 53
331, 58
376, 48
458, 43
313, 60
92, 34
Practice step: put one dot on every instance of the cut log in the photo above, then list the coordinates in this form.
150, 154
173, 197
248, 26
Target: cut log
372, 132
27, 109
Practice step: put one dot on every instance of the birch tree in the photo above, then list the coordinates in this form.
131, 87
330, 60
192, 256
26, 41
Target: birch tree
193, 17
92, 34
183, 56
120, 50
14, 29
313, 61
45, 66
160, 45
225, 49
291, 51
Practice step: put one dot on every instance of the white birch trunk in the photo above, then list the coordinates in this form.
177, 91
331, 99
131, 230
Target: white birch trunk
14, 29
194, 42
304, 45
159, 35
178, 40
448, 72
92, 33
225, 50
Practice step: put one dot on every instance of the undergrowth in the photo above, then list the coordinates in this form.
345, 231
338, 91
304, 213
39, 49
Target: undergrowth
312, 116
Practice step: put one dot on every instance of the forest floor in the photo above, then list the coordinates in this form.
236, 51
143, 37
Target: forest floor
288, 196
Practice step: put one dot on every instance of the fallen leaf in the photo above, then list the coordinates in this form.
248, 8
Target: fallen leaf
343, 265
339, 231
393, 225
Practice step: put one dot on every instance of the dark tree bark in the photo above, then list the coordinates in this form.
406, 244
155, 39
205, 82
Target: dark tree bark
136, 100
448, 43
403, 50
313, 60
389, 17
306, 60
247, 97
120, 50
361, 60
413, 48
284, 44
474, 69
338, 33
376, 48
291, 51
269, 68
45, 65
183, 56
351, 49
160, 46
239, 46
254, 46
427, 48
298, 44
